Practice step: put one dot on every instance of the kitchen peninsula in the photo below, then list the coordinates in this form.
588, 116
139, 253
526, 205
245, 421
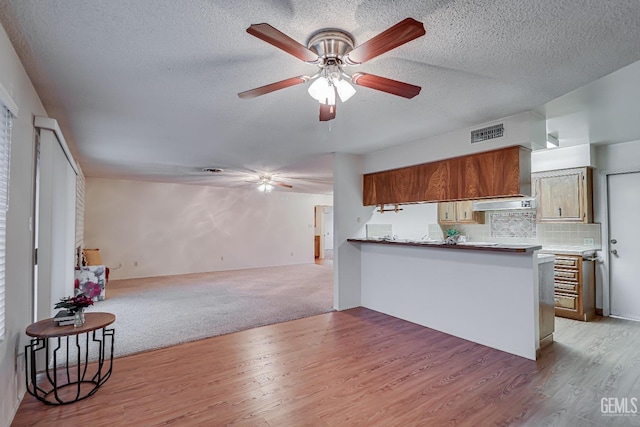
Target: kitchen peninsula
485, 294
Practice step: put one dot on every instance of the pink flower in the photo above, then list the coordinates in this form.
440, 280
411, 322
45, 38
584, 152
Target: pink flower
74, 303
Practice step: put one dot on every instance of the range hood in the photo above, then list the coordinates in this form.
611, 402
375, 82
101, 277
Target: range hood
505, 204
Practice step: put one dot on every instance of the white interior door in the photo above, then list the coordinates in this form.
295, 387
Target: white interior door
328, 228
624, 251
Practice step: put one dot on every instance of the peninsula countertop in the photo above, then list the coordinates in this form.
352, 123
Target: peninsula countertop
474, 246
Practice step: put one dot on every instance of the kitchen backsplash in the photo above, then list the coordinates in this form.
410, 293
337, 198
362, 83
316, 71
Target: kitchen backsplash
513, 224
520, 227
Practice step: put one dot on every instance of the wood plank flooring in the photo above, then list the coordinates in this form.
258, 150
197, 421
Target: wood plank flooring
362, 368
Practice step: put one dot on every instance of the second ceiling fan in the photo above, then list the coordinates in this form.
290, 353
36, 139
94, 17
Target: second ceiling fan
331, 50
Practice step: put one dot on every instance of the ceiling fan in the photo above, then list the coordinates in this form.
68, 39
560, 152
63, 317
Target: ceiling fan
266, 183
331, 50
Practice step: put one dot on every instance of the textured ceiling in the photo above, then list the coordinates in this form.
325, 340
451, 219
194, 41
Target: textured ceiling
148, 89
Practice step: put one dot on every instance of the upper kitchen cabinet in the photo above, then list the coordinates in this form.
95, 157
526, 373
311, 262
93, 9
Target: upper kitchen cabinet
420, 183
459, 213
564, 195
447, 213
496, 173
499, 173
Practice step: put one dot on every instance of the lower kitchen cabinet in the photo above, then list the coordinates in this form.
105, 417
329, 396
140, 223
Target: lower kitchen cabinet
574, 287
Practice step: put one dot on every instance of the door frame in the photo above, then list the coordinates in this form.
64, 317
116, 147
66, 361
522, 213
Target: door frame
35, 227
318, 212
603, 181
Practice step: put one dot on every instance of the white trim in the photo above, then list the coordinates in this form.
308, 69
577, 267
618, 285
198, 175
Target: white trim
52, 125
604, 201
6, 99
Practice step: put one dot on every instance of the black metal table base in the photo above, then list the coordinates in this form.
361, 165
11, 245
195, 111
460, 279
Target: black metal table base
77, 377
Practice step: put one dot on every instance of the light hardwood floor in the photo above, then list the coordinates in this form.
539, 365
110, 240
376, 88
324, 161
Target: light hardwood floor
360, 367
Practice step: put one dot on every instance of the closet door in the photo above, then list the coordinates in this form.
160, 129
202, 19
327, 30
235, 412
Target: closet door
56, 222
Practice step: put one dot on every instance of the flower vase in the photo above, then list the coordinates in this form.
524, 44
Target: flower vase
78, 318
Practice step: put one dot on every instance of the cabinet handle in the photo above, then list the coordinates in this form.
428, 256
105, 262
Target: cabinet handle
465, 214
559, 211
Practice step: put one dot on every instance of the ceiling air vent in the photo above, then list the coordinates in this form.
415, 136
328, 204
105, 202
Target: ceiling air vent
213, 170
484, 134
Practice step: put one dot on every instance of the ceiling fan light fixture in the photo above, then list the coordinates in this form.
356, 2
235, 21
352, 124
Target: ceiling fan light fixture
265, 187
344, 89
319, 89
329, 97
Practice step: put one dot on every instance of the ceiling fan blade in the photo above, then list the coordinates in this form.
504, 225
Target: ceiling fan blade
282, 41
401, 33
281, 184
384, 84
262, 90
327, 112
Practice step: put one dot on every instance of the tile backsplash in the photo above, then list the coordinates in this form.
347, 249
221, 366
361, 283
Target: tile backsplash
513, 224
514, 227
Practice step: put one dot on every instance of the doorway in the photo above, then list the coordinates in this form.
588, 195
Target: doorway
623, 234
323, 235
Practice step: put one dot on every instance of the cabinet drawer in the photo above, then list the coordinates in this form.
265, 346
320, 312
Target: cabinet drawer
567, 275
566, 262
568, 302
563, 286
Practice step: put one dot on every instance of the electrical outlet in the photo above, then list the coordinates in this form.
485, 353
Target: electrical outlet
589, 241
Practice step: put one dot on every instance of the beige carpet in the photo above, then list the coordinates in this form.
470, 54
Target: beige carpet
162, 311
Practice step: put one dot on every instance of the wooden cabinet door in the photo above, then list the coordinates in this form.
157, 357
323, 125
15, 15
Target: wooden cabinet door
464, 212
496, 172
447, 213
459, 213
499, 173
563, 196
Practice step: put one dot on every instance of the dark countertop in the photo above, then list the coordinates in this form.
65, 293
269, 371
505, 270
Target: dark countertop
465, 247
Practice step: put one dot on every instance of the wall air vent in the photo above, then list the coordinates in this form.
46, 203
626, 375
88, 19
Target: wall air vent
490, 132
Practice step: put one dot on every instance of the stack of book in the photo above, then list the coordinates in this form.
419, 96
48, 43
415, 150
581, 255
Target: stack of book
64, 318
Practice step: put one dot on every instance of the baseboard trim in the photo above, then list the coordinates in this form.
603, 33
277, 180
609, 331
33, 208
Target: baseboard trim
544, 343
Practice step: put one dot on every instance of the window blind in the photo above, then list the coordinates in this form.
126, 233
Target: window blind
5, 152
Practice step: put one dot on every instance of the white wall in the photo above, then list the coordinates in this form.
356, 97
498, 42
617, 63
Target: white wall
468, 293
575, 156
176, 229
19, 237
349, 216
526, 129
412, 222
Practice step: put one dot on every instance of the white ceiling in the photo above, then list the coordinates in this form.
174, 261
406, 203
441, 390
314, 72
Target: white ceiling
147, 89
